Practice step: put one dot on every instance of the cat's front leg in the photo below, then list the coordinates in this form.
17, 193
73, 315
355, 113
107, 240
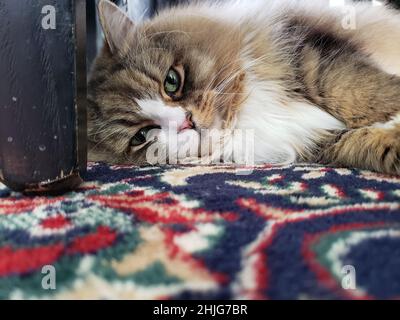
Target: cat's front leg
374, 148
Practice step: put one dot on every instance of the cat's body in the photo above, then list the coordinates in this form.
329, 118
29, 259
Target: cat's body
311, 83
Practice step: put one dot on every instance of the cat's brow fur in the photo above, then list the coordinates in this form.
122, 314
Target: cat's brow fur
290, 56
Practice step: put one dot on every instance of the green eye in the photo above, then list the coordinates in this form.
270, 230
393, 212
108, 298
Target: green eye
172, 82
141, 136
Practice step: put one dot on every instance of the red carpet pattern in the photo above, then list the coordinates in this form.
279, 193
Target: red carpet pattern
206, 232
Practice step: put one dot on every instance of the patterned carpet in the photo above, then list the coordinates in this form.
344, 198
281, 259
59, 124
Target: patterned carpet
297, 232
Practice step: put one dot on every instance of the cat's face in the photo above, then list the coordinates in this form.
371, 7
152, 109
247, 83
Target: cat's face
156, 87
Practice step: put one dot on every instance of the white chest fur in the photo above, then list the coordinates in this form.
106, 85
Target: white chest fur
281, 129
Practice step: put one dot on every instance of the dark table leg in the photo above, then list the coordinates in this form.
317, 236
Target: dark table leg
42, 93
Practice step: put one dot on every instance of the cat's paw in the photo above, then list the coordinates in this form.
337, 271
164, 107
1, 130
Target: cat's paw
390, 157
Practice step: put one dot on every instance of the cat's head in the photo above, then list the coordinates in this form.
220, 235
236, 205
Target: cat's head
160, 83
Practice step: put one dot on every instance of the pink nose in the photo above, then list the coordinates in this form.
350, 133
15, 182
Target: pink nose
187, 124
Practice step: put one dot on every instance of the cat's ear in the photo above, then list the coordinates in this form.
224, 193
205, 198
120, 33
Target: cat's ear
116, 25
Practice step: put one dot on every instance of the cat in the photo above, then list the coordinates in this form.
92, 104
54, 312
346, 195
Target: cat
311, 81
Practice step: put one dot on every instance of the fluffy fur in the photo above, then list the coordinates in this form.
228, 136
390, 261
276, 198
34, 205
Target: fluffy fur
313, 82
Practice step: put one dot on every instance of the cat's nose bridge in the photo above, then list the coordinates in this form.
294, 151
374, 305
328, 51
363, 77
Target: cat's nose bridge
162, 114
